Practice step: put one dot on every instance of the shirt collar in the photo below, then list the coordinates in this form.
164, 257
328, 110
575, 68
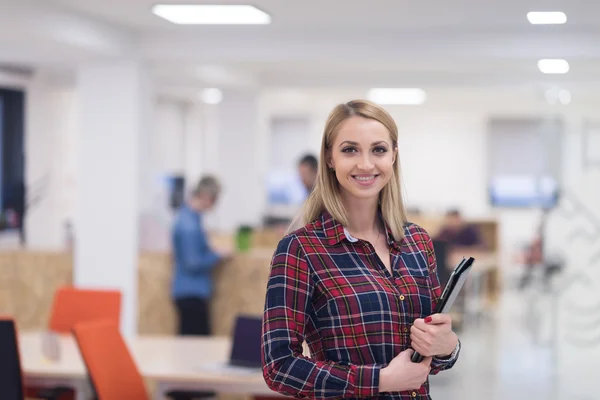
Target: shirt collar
335, 232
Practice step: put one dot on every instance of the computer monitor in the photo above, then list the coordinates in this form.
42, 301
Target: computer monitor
245, 350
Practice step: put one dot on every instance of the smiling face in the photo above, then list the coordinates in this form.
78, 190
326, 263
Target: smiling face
362, 155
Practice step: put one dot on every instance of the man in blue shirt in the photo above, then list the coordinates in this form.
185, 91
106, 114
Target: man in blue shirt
194, 260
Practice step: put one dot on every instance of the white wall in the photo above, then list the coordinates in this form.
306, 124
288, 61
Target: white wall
238, 162
168, 136
50, 143
10, 80
173, 143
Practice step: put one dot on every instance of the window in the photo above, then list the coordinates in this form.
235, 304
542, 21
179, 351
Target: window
289, 141
524, 161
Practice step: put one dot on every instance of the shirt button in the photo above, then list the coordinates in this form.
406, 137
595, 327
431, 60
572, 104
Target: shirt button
414, 394
405, 329
401, 297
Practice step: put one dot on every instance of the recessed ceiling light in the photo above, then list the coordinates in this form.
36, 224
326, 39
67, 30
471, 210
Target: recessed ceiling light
553, 66
211, 96
394, 96
546, 18
564, 96
197, 14
556, 95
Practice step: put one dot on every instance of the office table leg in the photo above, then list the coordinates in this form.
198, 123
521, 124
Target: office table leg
159, 391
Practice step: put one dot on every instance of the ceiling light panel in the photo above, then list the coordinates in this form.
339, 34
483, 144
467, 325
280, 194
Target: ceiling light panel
203, 14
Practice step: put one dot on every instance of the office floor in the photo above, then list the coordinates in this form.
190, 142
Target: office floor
500, 361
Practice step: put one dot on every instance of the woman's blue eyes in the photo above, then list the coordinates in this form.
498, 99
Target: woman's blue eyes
351, 149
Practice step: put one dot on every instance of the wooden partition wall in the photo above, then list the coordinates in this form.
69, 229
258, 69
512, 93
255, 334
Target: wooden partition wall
29, 279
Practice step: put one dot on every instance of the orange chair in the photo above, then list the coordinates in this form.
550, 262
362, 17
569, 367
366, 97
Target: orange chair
112, 369
73, 305
70, 306
11, 377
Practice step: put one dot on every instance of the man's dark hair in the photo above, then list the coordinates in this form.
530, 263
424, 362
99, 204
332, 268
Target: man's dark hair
453, 212
310, 160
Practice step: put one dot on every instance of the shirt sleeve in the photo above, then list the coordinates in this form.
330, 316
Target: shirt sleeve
437, 364
286, 316
196, 254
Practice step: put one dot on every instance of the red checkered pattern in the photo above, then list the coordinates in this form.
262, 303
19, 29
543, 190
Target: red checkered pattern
333, 291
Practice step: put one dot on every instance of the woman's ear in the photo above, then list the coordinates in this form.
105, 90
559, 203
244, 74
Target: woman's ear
329, 160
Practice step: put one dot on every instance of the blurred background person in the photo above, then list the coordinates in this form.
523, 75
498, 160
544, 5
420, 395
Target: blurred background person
301, 185
194, 260
287, 192
307, 169
457, 233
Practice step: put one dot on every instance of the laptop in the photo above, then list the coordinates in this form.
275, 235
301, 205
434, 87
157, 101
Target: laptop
245, 357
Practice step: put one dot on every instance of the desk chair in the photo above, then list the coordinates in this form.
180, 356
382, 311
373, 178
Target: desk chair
11, 378
112, 369
11, 375
72, 305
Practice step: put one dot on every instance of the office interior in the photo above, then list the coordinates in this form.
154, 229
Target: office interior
110, 112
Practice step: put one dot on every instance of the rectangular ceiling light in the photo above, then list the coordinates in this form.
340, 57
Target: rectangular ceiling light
397, 96
201, 14
547, 18
553, 66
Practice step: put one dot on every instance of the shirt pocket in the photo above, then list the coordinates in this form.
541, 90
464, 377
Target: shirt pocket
415, 295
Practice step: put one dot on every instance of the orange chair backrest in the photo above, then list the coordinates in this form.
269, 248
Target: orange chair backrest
72, 305
111, 367
11, 378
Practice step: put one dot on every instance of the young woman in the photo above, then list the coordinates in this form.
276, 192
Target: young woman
357, 283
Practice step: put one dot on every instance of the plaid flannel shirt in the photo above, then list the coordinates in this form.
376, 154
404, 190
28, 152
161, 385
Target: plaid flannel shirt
332, 291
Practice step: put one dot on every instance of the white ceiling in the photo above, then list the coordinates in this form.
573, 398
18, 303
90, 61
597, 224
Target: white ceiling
316, 42
384, 14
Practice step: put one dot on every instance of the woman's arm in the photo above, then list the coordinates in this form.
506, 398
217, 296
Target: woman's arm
196, 256
285, 369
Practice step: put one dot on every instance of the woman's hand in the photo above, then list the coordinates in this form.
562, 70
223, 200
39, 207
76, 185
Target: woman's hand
433, 336
402, 374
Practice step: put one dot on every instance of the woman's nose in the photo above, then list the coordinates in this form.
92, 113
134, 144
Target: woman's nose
365, 163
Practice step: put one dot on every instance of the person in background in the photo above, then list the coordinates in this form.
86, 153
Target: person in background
307, 169
535, 256
457, 233
194, 260
302, 184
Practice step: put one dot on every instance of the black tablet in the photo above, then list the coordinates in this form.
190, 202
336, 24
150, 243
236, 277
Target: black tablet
455, 283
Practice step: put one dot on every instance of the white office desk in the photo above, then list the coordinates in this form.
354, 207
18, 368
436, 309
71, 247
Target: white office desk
169, 362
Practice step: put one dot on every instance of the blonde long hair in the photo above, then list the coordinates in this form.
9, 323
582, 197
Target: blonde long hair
326, 193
